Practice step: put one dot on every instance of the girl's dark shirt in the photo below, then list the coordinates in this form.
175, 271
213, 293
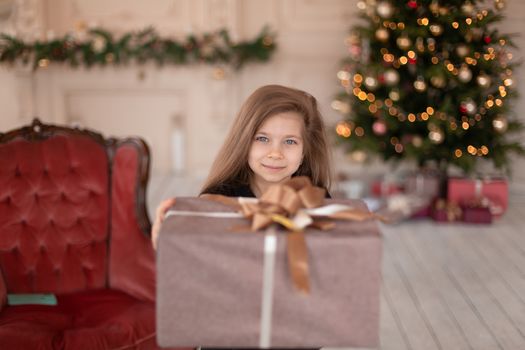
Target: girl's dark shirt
239, 191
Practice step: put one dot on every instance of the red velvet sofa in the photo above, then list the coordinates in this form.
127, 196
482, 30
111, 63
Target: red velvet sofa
73, 222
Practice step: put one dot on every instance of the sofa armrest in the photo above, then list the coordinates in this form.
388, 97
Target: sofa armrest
3, 292
132, 258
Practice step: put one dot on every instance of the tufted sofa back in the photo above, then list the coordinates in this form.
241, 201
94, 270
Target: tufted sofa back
56, 203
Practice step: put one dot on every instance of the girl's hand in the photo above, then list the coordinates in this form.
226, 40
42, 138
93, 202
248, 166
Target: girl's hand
159, 218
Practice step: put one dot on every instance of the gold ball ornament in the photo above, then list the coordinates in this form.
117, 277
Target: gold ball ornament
384, 9
467, 8
403, 42
394, 95
436, 136
500, 124
99, 44
358, 156
417, 141
438, 81
499, 4
391, 77
462, 50
434, 6
464, 74
420, 84
483, 80
436, 29
371, 83
382, 34
361, 5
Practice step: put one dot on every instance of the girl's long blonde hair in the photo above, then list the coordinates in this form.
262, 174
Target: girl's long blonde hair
231, 168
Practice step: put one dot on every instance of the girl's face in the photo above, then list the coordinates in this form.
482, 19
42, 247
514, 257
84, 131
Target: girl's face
277, 150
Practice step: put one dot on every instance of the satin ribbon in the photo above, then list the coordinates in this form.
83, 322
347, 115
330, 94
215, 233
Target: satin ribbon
295, 204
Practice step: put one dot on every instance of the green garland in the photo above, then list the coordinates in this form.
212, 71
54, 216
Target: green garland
100, 47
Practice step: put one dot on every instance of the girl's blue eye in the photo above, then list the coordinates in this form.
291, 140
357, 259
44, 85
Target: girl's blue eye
261, 138
290, 142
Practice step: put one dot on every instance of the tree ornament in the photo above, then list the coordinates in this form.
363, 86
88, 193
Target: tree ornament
420, 45
500, 124
384, 9
417, 141
379, 127
436, 29
394, 95
412, 4
438, 81
477, 33
434, 7
358, 156
483, 80
99, 44
420, 84
464, 74
487, 39
371, 83
403, 42
468, 107
462, 50
499, 4
382, 34
391, 77
468, 8
436, 136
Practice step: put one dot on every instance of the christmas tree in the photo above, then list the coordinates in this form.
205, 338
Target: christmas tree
429, 81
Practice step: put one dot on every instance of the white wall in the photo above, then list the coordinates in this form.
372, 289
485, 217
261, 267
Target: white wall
152, 102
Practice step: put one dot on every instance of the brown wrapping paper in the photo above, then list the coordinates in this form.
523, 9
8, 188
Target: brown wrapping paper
209, 284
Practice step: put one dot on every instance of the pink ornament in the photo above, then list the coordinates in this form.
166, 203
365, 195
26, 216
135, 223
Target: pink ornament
379, 127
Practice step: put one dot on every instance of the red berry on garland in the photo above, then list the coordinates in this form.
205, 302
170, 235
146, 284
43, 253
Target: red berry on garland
487, 39
412, 60
412, 4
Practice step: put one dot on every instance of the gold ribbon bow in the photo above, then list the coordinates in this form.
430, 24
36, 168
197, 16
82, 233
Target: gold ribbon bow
288, 204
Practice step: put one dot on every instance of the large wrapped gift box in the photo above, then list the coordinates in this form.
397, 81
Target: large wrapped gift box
494, 190
210, 284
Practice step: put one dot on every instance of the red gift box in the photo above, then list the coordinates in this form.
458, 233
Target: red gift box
382, 188
477, 215
443, 211
464, 190
425, 183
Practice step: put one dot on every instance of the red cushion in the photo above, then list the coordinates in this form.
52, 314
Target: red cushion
54, 214
101, 319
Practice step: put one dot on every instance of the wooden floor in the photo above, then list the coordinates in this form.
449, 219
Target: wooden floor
445, 286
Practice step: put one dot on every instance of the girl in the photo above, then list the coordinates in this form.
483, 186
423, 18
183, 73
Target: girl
278, 133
